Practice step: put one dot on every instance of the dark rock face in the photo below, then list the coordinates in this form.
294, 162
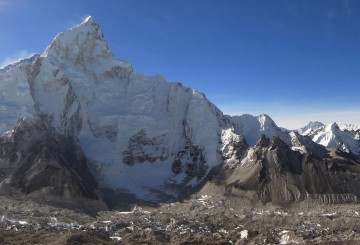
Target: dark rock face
142, 148
311, 147
191, 161
279, 175
109, 131
190, 158
72, 122
37, 161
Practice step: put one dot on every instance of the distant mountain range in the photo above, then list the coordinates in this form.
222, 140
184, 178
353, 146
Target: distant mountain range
343, 137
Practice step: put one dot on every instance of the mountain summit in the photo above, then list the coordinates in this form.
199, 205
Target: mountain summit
83, 43
310, 126
141, 132
342, 137
137, 134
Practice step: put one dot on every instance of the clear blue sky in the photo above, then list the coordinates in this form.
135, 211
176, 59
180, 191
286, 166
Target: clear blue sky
294, 60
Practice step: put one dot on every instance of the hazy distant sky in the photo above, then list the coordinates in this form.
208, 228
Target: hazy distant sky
294, 60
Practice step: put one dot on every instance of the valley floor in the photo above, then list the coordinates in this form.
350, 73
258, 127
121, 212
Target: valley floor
201, 219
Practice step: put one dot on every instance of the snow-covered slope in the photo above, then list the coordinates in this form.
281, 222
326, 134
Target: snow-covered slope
143, 134
141, 131
348, 127
309, 127
343, 137
252, 128
15, 96
29, 60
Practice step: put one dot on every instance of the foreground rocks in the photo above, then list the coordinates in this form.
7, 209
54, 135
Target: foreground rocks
202, 219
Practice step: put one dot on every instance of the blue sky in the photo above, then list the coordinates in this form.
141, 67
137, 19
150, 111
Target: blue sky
293, 60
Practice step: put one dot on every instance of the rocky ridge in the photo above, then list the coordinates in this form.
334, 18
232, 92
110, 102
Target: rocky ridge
46, 166
342, 137
112, 128
279, 175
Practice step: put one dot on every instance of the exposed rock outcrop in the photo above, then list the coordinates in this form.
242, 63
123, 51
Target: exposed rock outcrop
146, 135
279, 175
38, 162
142, 148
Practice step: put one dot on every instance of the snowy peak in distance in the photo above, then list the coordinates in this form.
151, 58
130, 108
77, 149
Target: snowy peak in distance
252, 127
343, 137
349, 127
310, 126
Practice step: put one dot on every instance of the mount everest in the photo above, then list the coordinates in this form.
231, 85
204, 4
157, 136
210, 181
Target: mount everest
147, 137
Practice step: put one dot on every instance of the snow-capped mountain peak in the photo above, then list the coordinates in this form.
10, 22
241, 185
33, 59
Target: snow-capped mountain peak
83, 45
310, 126
141, 132
89, 19
349, 127
332, 127
338, 136
266, 122
252, 128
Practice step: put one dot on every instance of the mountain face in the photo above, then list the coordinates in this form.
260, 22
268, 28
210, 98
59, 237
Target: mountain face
342, 137
141, 131
310, 127
37, 160
134, 133
277, 174
253, 127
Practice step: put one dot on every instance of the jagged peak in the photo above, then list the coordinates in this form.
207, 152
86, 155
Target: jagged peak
263, 141
312, 125
89, 19
315, 123
264, 116
348, 127
90, 24
277, 142
86, 38
266, 121
332, 126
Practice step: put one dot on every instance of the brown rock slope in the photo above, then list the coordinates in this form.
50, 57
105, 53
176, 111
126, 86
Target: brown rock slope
282, 176
39, 163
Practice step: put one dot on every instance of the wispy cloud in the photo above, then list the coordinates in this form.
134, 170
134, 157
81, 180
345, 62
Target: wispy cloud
4, 4
17, 56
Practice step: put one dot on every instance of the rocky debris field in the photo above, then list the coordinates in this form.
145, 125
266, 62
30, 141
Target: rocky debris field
202, 219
